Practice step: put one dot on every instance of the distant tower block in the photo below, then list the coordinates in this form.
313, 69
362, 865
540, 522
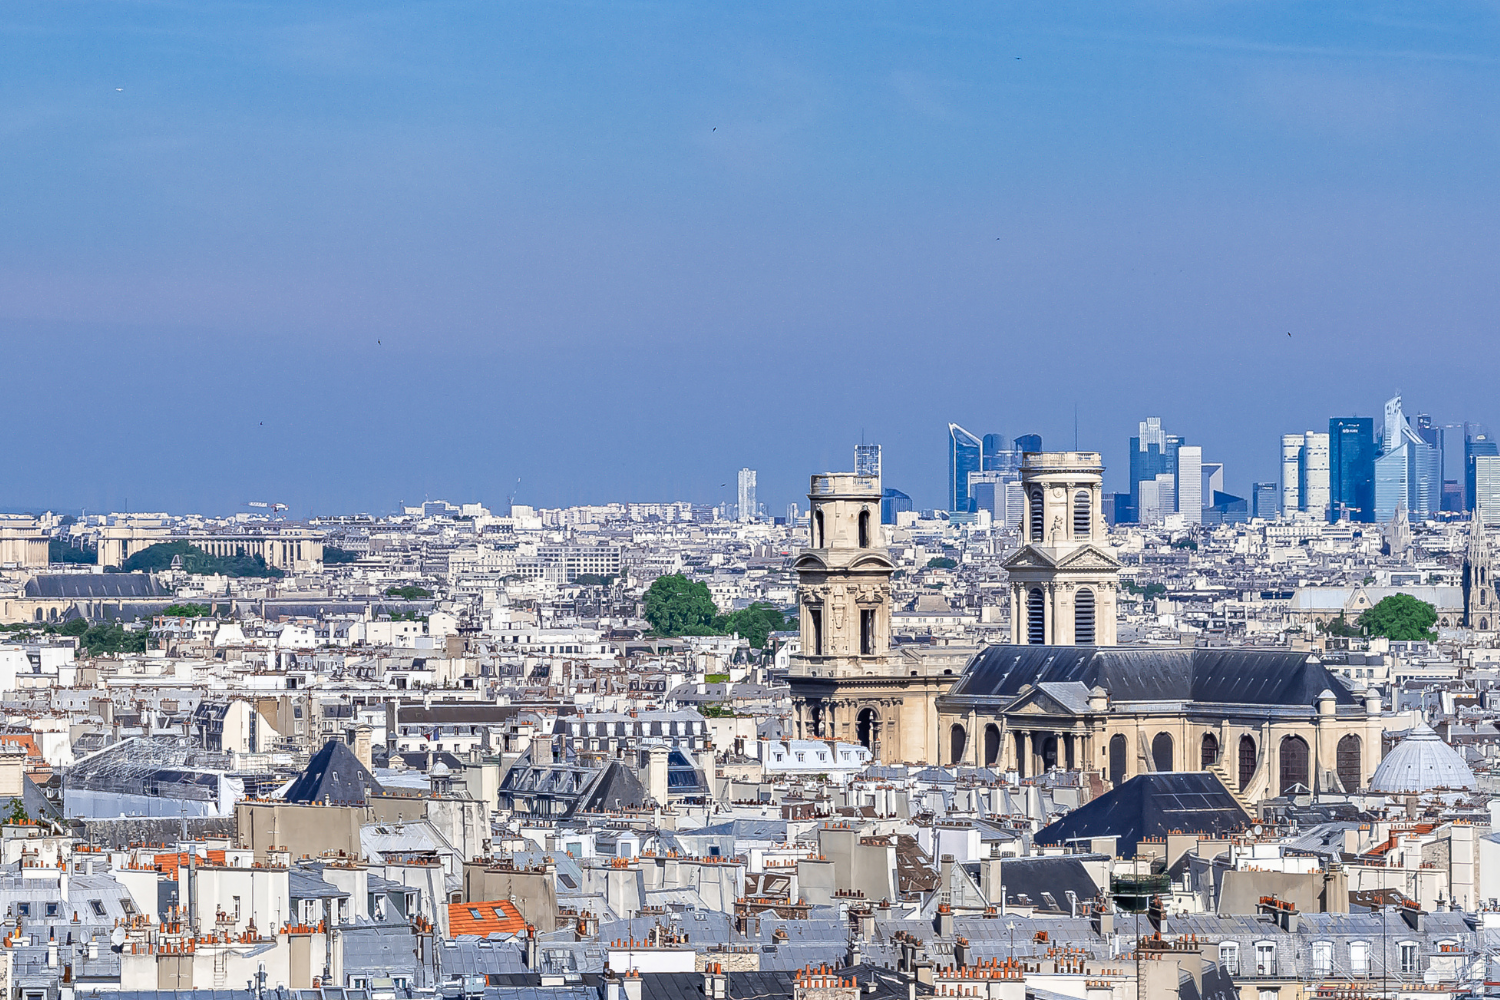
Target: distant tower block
1064, 581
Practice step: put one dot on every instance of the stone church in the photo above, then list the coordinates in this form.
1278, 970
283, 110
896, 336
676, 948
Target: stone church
1480, 607
1061, 694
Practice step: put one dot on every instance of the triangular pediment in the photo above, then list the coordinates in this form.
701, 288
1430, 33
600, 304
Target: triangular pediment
1030, 557
1038, 702
1088, 557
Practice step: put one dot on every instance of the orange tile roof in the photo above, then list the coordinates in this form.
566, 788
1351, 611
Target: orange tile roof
498, 916
169, 863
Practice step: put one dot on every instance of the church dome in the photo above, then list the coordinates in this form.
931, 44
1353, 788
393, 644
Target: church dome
1422, 763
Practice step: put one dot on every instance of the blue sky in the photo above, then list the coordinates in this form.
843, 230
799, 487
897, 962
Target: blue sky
352, 254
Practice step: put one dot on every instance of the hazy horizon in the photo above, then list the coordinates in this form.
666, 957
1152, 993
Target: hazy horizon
341, 259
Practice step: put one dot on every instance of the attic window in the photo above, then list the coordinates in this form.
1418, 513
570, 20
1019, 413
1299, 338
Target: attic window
475, 914
97, 905
1049, 900
499, 913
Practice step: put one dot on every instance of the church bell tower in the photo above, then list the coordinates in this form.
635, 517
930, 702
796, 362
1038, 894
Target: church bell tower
1064, 581
1480, 609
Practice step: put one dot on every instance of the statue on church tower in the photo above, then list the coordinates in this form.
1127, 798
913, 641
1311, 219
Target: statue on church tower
1480, 608
1064, 580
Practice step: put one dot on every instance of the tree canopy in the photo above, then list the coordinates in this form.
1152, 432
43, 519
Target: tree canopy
334, 556
187, 611
1401, 617
941, 562
158, 557
676, 605
59, 551
408, 593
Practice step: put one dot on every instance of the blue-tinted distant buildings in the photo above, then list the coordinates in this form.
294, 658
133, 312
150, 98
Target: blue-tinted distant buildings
1409, 470
1263, 498
893, 502
1351, 444
1153, 454
1477, 444
965, 455
1029, 442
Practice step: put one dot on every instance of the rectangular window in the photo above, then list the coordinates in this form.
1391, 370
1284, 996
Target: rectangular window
1322, 957
816, 617
867, 632
52, 909
1265, 959
1359, 958
97, 905
1229, 957
1408, 957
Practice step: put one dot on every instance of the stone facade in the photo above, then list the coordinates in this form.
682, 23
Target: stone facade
1064, 581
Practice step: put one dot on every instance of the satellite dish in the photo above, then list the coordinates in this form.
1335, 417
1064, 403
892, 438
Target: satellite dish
117, 936
1256, 829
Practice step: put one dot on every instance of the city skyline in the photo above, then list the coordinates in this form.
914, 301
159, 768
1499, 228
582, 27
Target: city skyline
491, 208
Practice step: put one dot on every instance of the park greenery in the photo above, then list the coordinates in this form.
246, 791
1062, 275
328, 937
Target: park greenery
335, 556
408, 593
594, 580
1401, 617
190, 610
1185, 543
676, 606
59, 551
1149, 590
1339, 627
941, 562
158, 557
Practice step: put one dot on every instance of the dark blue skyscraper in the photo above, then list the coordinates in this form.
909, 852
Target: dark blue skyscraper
965, 455
995, 452
1351, 463
1029, 442
892, 502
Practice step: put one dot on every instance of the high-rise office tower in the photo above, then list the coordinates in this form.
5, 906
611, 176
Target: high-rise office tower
1028, 442
994, 449
793, 514
1409, 470
1305, 473
1351, 444
867, 460
965, 455
1263, 500
1212, 480
1487, 487
747, 507
893, 502
1291, 472
1190, 483
1153, 452
1477, 444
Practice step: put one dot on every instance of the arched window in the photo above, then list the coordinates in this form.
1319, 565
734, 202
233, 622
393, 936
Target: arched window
1036, 617
818, 525
1082, 515
864, 529
1161, 752
1350, 769
1036, 515
1117, 759
1247, 761
1083, 617
958, 742
1210, 751
867, 728
991, 745
1294, 759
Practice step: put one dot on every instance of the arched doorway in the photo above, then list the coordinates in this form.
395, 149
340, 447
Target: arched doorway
958, 742
1294, 758
1247, 761
1210, 755
867, 726
1049, 753
1117, 759
991, 745
1161, 752
1349, 764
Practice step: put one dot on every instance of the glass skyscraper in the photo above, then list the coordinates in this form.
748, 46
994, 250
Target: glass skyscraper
1477, 444
1153, 452
965, 455
1029, 442
1351, 441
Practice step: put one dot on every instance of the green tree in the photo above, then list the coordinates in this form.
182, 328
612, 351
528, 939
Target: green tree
676, 605
158, 557
1339, 627
408, 593
18, 813
59, 551
334, 556
941, 562
187, 611
755, 623
1401, 617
